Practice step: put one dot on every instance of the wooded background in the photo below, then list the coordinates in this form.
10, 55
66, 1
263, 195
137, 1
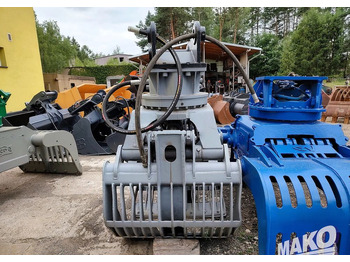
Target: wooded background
306, 41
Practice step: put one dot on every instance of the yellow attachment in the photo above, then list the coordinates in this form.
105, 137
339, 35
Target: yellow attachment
87, 90
68, 98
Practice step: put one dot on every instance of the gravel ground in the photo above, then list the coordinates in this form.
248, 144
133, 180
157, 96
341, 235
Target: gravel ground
245, 239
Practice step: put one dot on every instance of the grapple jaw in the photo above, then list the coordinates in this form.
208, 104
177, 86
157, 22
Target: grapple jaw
172, 198
296, 168
176, 179
302, 206
38, 151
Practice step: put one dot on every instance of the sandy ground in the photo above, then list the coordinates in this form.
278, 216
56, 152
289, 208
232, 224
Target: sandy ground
60, 214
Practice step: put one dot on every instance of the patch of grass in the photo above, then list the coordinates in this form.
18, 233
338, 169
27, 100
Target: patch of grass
335, 82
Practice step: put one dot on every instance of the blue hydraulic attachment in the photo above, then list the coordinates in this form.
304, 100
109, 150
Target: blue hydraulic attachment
296, 167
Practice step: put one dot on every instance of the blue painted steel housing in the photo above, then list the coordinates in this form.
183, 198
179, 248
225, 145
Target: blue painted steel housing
288, 98
298, 174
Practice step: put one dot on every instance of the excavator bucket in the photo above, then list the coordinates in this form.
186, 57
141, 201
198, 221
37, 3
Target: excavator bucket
38, 151
77, 94
86, 90
42, 114
338, 105
221, 109
68, 98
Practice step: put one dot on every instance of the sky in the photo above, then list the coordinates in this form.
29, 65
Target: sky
104, 28
100, 28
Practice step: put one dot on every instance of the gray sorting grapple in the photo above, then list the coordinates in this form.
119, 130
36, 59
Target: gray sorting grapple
37, 151
183, 185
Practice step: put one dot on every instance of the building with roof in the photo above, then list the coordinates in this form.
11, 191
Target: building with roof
220, 67
119, 57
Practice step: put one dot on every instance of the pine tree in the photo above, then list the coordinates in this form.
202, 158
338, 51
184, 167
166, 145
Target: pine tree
172, 21
143, 42
220, 18
287, 57
317, 44
205, 16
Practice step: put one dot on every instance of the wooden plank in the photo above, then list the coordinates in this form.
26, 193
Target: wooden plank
176, 246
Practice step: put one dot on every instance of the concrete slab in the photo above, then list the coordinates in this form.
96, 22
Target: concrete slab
59, 214
176, 247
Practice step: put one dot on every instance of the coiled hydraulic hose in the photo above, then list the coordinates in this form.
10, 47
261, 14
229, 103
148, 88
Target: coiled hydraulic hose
138, 130
105, 102
133, 82
142, 86
237, 63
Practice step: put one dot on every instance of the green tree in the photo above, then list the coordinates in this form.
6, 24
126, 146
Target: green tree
220, 19
143, 42
254, 21
205, 16
335, 22
269, 62
347, 43
287, 57
172, 21
317, 44
56, 51
84, 55
236, 25
117, 50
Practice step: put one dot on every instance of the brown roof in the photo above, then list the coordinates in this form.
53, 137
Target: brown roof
212, 51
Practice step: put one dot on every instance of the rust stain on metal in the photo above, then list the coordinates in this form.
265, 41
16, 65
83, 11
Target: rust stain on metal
337, 104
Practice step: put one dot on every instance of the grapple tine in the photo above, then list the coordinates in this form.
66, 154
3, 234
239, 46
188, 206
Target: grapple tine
178, 156
37, 151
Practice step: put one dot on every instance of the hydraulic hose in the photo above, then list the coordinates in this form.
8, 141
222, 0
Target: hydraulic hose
138, 130
133, 82
142, 86
237, 63
105, 102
